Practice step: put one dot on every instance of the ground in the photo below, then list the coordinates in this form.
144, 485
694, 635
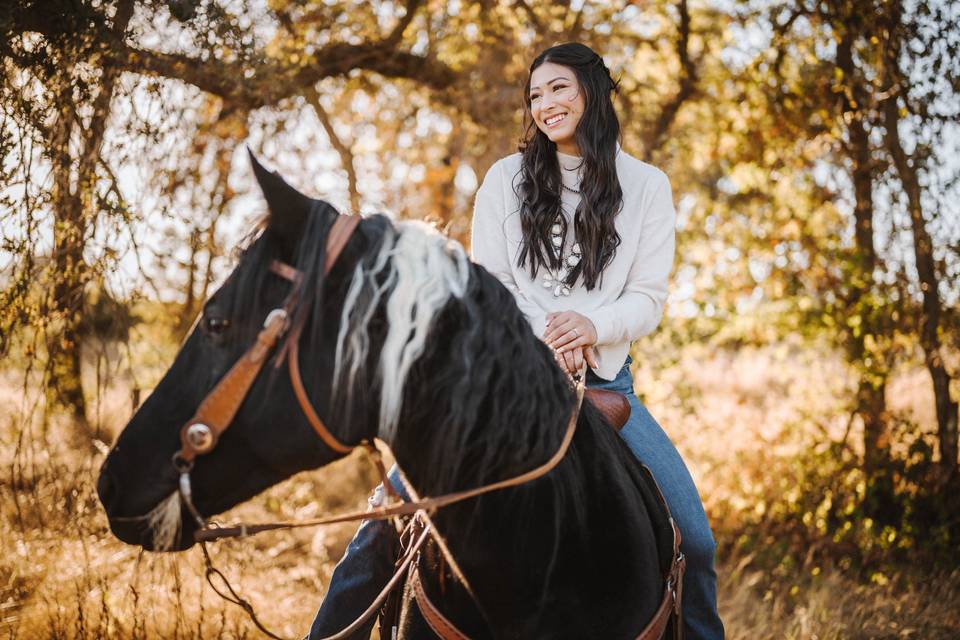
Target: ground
63, 575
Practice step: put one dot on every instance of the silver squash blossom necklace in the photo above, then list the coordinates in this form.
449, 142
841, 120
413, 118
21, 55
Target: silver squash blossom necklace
555, 278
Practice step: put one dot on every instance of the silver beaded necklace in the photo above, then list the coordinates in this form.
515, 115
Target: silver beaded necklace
555, 278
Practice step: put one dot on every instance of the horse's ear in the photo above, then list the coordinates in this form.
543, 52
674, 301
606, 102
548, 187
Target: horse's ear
288, 207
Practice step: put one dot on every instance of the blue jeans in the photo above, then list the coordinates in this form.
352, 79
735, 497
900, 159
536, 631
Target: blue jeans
653, 448
368, 562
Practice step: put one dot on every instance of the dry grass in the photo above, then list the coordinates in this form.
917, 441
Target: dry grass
62, 574
815, 603
65, 576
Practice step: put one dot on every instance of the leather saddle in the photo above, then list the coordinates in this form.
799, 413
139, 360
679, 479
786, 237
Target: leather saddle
614, 406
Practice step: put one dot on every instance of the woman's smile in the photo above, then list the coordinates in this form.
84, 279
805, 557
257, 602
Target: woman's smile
554, 120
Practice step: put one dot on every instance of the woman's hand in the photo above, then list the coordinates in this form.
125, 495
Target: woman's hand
571, 335
571, 360
569, 329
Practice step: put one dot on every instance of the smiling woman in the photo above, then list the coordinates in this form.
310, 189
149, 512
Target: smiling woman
600, 224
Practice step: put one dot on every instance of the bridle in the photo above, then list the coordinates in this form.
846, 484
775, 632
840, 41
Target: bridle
201, 433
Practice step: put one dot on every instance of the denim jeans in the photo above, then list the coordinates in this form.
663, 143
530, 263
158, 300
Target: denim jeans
653, 448
361, 574
368, 562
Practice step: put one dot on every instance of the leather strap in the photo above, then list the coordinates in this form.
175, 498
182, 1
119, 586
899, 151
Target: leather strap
669, 609
670, 604
440, 624
339, 235
337, 239
200, 434
217, 410
374, 606
293, 362
286, 272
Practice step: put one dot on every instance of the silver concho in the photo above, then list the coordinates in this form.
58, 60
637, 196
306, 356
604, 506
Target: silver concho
200, 437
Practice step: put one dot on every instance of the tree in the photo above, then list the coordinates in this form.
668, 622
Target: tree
65, 101
836, 79
75, 59
938, 47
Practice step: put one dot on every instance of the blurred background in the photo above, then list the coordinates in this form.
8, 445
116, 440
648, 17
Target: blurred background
808, 365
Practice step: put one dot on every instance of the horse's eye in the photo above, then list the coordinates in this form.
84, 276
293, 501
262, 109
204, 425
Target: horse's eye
214, 325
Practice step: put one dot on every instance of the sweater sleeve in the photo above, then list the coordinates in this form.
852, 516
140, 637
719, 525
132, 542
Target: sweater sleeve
488, 243
638, 310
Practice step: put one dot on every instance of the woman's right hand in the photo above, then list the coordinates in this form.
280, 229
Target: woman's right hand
571, 361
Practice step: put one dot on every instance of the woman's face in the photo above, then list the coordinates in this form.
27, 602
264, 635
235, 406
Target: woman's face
556, 104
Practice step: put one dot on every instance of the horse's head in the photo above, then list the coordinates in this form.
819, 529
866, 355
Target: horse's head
448, 405
269, 438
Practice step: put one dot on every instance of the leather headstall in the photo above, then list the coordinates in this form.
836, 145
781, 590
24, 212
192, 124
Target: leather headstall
200, 434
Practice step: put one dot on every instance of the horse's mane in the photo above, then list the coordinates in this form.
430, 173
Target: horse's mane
257, 249
454, 350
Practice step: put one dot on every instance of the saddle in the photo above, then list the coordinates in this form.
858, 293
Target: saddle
614, 406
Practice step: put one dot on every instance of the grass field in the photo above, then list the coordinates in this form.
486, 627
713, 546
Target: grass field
735, 417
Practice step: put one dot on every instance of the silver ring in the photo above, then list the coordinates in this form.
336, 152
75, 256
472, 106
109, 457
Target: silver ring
575, 332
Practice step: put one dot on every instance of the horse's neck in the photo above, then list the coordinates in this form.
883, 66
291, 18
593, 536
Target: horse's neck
561, 552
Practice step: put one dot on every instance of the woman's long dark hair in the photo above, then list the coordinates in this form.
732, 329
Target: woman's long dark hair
601, 197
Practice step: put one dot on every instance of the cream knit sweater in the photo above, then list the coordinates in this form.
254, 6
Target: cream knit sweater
630, 303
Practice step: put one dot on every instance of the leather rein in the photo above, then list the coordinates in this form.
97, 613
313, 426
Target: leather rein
200, 434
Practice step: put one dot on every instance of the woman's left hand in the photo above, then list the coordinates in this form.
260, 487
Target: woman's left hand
569, 329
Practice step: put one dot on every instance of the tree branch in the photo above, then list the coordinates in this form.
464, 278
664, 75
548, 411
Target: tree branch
396, 35
266, 82
344, 150
271, 82
531, 14
688, 80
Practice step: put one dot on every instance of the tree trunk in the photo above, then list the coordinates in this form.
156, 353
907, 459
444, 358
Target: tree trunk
68, 270
871, 402
907, 170
190, 304
74, 200
65, 307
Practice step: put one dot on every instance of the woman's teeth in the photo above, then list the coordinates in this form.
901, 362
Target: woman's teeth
555, 119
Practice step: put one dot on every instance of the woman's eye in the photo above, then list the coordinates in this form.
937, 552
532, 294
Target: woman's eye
214, 325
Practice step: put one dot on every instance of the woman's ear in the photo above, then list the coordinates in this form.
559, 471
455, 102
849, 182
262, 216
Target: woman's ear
288, 207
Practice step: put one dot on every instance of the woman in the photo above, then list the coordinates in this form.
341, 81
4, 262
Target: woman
582, 234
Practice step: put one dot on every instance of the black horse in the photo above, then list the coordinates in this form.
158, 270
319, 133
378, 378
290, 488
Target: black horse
408, 340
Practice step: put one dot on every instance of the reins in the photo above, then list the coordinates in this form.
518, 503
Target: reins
200, 434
